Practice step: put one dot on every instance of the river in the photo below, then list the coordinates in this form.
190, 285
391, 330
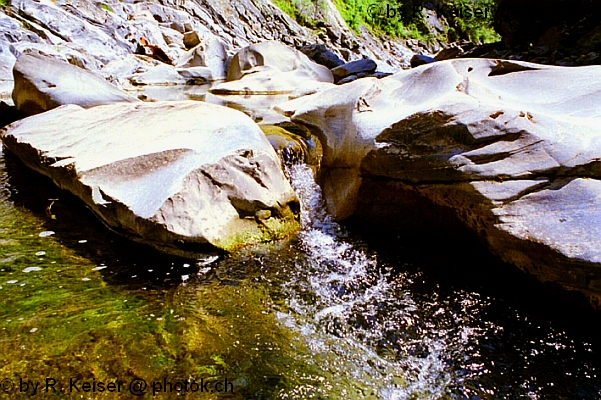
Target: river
330, 314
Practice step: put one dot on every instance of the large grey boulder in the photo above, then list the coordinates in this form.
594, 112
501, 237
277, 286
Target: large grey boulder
43, 83
505, 148
176, 175
211, 54
272, 68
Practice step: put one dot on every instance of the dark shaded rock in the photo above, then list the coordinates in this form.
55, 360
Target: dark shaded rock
321, 55
420, 59
9, 114
347, 79
380, 75
191, 39
591, 41
521, 22
448, 53
354, 68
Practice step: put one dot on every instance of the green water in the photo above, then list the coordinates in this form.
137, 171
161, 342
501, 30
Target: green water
80, 304
320, 316
92, 307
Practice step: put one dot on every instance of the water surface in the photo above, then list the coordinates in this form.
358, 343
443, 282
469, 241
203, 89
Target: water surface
321, 316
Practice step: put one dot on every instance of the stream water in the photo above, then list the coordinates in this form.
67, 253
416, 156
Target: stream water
322, 316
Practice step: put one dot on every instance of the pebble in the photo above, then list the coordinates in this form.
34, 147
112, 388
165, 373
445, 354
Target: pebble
46, 234
31, 269
40, 253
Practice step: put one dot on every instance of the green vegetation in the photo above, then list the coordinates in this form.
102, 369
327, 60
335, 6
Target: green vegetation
466, 19
105, 7
248, 232
476, 29
305, 12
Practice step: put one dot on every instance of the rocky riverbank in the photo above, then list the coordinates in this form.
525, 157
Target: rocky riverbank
502, 148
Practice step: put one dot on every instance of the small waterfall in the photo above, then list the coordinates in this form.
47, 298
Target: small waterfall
357, 317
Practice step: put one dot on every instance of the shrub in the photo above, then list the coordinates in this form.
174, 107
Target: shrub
397, 18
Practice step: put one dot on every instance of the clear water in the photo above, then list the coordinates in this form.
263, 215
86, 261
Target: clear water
322, 316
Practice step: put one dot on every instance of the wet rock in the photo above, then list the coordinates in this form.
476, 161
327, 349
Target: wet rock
42, 83
503, 148
366, 66
180, 176
293, 145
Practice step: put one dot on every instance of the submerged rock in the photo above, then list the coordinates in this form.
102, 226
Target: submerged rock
504, 148
177, 175
272, 68
43, 83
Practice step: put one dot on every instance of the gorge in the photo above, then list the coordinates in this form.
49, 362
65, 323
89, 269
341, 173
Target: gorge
293, 209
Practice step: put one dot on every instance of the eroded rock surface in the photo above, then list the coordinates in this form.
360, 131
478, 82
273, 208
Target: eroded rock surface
43, 83
272, 68
93, 35
177, 175
510, 149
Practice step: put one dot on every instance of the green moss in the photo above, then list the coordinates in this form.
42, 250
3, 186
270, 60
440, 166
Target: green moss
297, 139
249, 232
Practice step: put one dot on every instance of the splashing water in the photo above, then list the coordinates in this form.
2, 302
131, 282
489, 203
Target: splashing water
354, 312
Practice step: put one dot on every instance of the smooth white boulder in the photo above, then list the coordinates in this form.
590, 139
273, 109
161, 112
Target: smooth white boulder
273, 68
176, 175
509, 147
43, 83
